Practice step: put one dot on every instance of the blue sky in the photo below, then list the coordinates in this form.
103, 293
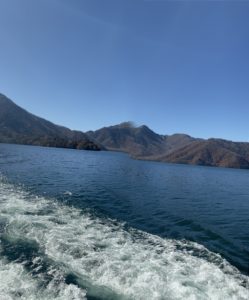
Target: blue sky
177, 66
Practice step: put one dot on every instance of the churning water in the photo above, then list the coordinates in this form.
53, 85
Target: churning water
86, 225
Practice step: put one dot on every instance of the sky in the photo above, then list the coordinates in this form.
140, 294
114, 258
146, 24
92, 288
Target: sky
176, 66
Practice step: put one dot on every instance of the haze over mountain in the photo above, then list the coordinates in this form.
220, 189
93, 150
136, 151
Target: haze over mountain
21, 127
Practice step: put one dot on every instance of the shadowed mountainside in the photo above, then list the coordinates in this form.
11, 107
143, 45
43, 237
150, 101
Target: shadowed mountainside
21, 127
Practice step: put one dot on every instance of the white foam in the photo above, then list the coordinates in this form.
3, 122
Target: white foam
68, 193
17, 283
113, 263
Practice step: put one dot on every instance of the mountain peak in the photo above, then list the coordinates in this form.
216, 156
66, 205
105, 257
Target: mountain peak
138, 141
144, 127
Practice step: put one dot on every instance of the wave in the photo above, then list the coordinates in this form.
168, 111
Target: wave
53, 251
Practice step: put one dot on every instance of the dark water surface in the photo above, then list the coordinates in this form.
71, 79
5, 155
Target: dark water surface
99, 225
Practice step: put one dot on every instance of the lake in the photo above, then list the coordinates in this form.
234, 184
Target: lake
100, 225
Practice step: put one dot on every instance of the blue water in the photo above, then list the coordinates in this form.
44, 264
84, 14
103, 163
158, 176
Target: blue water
186, 228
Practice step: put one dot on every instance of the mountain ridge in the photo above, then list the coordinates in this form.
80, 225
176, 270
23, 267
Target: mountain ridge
176, 148
138, 141
21, 127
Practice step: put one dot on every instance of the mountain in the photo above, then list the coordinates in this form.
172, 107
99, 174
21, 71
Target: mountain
21, 127
127, 138
139, 142
211, 152
142, 143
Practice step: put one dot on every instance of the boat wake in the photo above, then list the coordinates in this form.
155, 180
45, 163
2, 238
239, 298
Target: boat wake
52, 251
